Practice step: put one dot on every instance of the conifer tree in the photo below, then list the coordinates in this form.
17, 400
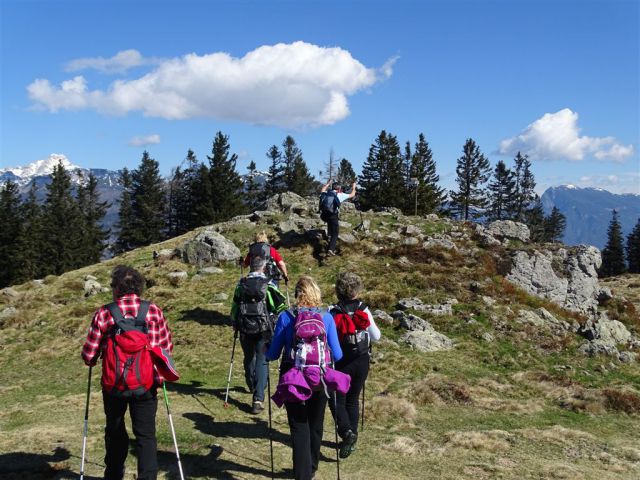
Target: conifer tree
202, 195
225, 180
346, 175
184, 195
148, 201
10, 232
423, 168
252, 190
554, 225
175, 192
406, 167
472, 171
382, 179
126, 223
613, 253
302, 182
501, 192
94, 235
535, 220
633, 249
525, 184
290, 153
62, 225
30, 239
275, 182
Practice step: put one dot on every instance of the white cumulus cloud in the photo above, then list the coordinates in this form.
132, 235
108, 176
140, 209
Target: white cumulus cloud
119, 63
288, 85
142, 141
556, 136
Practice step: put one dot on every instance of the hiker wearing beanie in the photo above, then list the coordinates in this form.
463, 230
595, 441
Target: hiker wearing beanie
356, 329
256, 301
330, 200
275, 265
305, 417
119, 390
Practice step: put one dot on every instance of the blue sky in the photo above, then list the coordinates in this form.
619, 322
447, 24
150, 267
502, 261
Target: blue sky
558, 80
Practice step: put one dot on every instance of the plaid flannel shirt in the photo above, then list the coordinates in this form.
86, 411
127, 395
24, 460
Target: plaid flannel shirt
103, 323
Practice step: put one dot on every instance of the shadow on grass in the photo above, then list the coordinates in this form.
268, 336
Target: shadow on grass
257, 429
23, 465
197, 388
315, 238
205, 317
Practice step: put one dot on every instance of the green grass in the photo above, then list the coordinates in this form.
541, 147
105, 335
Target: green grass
481, 410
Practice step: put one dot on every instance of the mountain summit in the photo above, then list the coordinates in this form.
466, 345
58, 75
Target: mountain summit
23, 175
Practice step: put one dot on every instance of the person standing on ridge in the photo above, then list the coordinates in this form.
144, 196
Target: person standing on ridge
121, 390
274, 263
256, 301
330, 200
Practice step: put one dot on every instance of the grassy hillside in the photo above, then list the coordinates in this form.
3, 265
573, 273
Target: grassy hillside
518, 403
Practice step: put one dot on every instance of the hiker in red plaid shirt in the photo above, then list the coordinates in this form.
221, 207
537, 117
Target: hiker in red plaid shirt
127, 285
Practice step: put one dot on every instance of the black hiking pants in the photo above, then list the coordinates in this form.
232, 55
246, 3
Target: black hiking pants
306, 421
333, 230
348, 405
143, 419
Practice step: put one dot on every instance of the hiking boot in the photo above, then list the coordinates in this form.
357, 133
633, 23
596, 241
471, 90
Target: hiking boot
257, 407
331, 253
348, 445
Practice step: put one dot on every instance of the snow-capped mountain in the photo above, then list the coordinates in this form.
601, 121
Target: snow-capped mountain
39, 172
588, 212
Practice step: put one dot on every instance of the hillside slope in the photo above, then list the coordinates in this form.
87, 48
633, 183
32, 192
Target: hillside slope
512, 399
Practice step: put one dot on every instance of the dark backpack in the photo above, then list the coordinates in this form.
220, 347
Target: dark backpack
127, 366
263, 250
352, 330
253, 314
329, 203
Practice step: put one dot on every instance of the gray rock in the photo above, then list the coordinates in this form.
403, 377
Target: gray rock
346, 237
260, 215
382, 318
10, 293
164, 254
177, 277
627, 357
439, 240
411, 230
416, 304
345, 207
8, 312
220, 297
197, 277
407, 303
604, 295
530, 318
209, 247
414, 323
287, 202
393, 237
410, 241
427, 341
487, 337
90, 277
484, 238
344, 224
591, 349
287, 226
508, 230
210, 271
37, 283
488, 301
91, 287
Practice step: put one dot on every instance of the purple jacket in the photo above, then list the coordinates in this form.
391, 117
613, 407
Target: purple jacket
296, 386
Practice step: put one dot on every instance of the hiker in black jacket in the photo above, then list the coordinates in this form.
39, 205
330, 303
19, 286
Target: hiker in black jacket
330, 200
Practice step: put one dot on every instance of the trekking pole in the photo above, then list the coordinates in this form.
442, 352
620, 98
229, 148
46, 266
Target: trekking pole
335, 423
86, 424
286, 286
362, 414
233, 351
270, 425
173, 431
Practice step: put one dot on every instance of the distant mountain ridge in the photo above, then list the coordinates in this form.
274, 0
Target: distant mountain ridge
588, 212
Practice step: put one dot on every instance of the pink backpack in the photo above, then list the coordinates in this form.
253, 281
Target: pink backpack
310, 352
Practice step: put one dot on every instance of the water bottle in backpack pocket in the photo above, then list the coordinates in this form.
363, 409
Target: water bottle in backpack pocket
127, 366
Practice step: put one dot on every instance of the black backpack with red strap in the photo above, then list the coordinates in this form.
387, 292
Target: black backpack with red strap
354, 340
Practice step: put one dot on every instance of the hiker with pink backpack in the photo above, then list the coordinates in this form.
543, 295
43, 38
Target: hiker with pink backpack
307, 339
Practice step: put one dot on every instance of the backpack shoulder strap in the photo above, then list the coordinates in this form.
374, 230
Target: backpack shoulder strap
115, 312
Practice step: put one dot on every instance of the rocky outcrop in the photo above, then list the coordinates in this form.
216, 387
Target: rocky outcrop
209, 247
505, 230
566, 277
417, 305
288, 202
420, 333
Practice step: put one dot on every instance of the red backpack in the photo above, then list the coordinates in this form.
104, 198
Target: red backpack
127, 367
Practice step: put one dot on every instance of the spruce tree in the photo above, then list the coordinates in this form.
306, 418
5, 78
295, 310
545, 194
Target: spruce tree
183, 198
94, 236
501, 192
382, 179
148, 201
275, 182
472, 171
525, 184
30, 239
175, 192
202, 195
346, 175
302, 182
535, 220
252, 190
613, 253
554, 225
126, 223
62, 225
406, 167
225, 180
10, 232
633, 249
290, 153
423, 168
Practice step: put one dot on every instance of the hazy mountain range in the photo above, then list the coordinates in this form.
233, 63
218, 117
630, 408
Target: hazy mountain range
588, 210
